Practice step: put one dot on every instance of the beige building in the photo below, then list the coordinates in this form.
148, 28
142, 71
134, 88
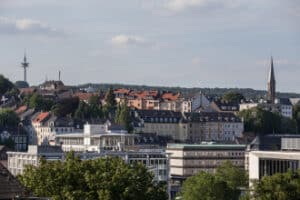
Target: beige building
190, 127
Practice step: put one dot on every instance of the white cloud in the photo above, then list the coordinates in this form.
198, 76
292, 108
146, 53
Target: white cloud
15, 26
125, 40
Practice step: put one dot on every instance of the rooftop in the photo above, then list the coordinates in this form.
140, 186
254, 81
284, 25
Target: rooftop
206, 146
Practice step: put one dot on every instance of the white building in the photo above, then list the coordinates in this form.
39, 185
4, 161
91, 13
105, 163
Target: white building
156, 160
193, 102
95, 137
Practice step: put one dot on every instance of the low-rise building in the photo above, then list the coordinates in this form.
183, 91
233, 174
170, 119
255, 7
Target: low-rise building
189, 159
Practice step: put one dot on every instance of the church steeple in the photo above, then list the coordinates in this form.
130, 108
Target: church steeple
271, 84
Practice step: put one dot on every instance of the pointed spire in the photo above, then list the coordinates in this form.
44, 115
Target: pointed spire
271, 83
271, 73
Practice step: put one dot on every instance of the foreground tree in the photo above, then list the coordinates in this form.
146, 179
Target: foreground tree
281, 186
205, 186
235, 177
105, 179
224, 184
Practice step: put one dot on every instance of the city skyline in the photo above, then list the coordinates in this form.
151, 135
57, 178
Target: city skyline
186, 43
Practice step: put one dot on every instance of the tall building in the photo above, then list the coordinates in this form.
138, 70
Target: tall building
271, 84
25, 65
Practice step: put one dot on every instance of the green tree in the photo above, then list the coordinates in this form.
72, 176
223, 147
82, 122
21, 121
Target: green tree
261, 121
5, 85
8, 119
296, 116
21, 84
66, 106
233, 97
110, 104
205, 186
103, 179
39, 103
95, 107
123, 116
280, 186
234, 176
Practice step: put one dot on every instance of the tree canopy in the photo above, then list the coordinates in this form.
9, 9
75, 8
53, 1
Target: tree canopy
8, 119
103, 179
21, 84
233, 97
223, 185
123, 116
260, 121
5, 85
280, 186
66, 106
39, 103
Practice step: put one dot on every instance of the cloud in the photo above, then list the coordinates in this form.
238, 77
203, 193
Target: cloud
126, 40
196, 61
26, 26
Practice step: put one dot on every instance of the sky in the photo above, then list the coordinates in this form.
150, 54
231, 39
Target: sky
187, 43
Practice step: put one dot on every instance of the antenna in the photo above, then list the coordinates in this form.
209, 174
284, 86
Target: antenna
59, 74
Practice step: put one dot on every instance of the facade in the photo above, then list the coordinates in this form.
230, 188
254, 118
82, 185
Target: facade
46, 126
267, 163
193, 102
156, 160
18, 160
95, 137
271, 154
189, 159
222, 106
213, 127
190, 127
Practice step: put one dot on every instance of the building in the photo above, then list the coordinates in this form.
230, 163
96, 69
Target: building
162, 122
156, 160
271, 154
189, 159
213, 126
223, 106
18, 160
189, 127
95, 137
46, 126
195, 102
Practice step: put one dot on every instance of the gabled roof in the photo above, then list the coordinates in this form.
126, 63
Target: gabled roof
20, 110
169, 96
41, 117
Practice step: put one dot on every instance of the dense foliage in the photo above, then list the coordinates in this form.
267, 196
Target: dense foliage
66, 106
123, 116
110, 104
233, 97
223, 185
281, 186
8, 119
21, 84
260, 121
103, 179
39, 103
296, 116
5, 85
90, 110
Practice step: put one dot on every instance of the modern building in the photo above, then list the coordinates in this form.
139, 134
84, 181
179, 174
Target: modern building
95, 137
189, 159
156, 160
271, 154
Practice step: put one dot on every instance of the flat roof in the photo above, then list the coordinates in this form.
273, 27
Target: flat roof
206, 146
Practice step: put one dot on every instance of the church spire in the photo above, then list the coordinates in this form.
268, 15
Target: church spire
271, 84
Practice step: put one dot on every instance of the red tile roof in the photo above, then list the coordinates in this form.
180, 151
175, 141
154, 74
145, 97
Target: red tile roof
21, 109
170, 96
122, 91
41, 117
83, 96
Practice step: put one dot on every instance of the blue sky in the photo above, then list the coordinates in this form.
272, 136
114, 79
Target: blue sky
188, 43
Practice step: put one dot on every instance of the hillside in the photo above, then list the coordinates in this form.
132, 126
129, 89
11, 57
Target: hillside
247, 92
